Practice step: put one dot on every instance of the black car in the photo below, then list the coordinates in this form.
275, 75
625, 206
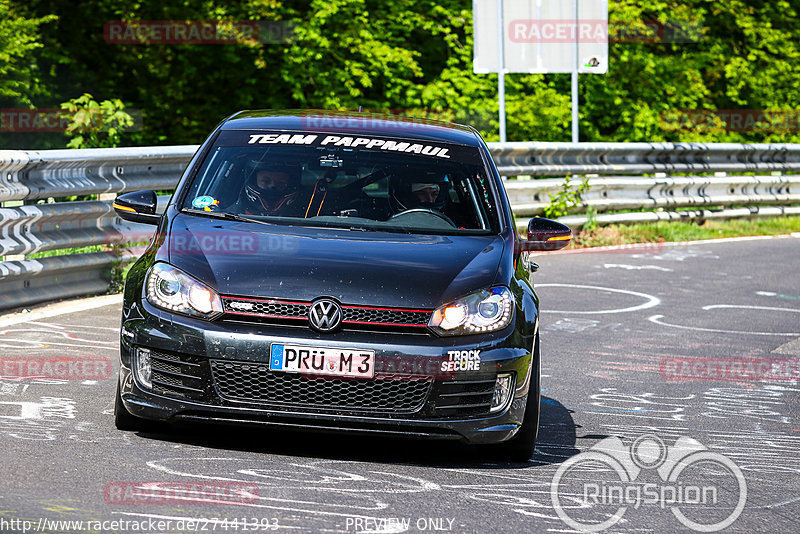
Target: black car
336, 272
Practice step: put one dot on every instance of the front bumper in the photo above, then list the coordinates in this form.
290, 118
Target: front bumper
415, 397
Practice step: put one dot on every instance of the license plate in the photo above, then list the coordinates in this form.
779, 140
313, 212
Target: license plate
322, 360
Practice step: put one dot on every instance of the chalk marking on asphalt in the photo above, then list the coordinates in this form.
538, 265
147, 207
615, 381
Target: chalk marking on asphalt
379, 505
651, 300
49, 325
424, 484
790, 501
58, 333
636, 267
790, 348
48, 407
45, 344
283, 508
778, 295
62, 326
61, 309
656, 319
748, 307
636, 246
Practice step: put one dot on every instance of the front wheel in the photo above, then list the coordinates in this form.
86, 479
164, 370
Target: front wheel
123, 419
520, 448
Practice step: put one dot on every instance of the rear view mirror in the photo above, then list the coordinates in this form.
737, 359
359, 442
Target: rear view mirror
546, 234
139, 206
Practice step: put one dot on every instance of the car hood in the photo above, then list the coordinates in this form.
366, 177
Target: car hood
354, 267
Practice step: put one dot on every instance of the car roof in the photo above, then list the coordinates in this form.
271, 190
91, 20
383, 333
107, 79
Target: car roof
353, 124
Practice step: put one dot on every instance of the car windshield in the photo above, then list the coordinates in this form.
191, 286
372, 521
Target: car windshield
345, 180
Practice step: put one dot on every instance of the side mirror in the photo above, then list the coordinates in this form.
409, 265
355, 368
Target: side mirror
546, 234
139, 206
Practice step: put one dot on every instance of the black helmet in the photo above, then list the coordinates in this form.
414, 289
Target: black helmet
269, 187
411, 189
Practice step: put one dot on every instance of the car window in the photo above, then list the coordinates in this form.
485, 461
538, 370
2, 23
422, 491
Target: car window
370, 183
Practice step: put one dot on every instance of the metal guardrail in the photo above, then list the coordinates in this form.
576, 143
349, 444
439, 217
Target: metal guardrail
550, 159
618, 183
34, 175
30, 281
661, 196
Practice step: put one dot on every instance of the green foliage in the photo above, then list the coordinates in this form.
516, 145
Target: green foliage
19, 38
566, 198
673, 231
119, 269
413, 57
591, 219
93, 124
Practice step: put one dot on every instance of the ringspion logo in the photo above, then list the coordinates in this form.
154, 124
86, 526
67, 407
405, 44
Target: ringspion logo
704, 490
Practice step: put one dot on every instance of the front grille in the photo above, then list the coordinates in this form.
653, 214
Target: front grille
176, 375
459, 398
255, 383
266, 308
356, 317
386, 316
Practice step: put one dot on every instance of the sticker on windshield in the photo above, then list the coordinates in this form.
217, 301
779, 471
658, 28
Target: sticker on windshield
351, 142
205, 202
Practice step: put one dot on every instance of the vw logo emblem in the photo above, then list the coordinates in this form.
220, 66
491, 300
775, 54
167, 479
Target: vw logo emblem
325, 315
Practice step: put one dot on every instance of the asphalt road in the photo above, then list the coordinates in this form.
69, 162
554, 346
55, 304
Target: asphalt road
629, 339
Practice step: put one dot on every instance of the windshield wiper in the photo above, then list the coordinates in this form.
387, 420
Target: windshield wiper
225, 215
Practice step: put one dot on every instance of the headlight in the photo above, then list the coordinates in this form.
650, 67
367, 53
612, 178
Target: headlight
485, 311
171, 289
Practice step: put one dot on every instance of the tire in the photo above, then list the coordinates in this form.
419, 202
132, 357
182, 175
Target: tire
520, 448
123, 419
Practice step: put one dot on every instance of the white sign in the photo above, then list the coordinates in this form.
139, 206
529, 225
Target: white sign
540, 36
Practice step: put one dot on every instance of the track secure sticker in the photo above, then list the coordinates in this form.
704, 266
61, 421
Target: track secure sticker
462, 360
205, 202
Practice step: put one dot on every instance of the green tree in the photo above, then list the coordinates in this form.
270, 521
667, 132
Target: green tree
95, 124
19, 36
415, 57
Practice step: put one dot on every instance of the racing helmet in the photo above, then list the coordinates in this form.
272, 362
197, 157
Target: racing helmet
269, 186
410, 189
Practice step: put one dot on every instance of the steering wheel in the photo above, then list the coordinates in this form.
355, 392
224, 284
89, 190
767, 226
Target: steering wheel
435, 213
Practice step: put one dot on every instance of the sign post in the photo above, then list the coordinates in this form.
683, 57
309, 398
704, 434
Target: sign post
501, 71
575, 65
540, 36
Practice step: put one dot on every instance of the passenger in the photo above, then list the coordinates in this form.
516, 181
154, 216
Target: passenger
419, 191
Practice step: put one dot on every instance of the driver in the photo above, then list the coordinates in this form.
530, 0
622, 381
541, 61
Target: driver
419, 191
271, 190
